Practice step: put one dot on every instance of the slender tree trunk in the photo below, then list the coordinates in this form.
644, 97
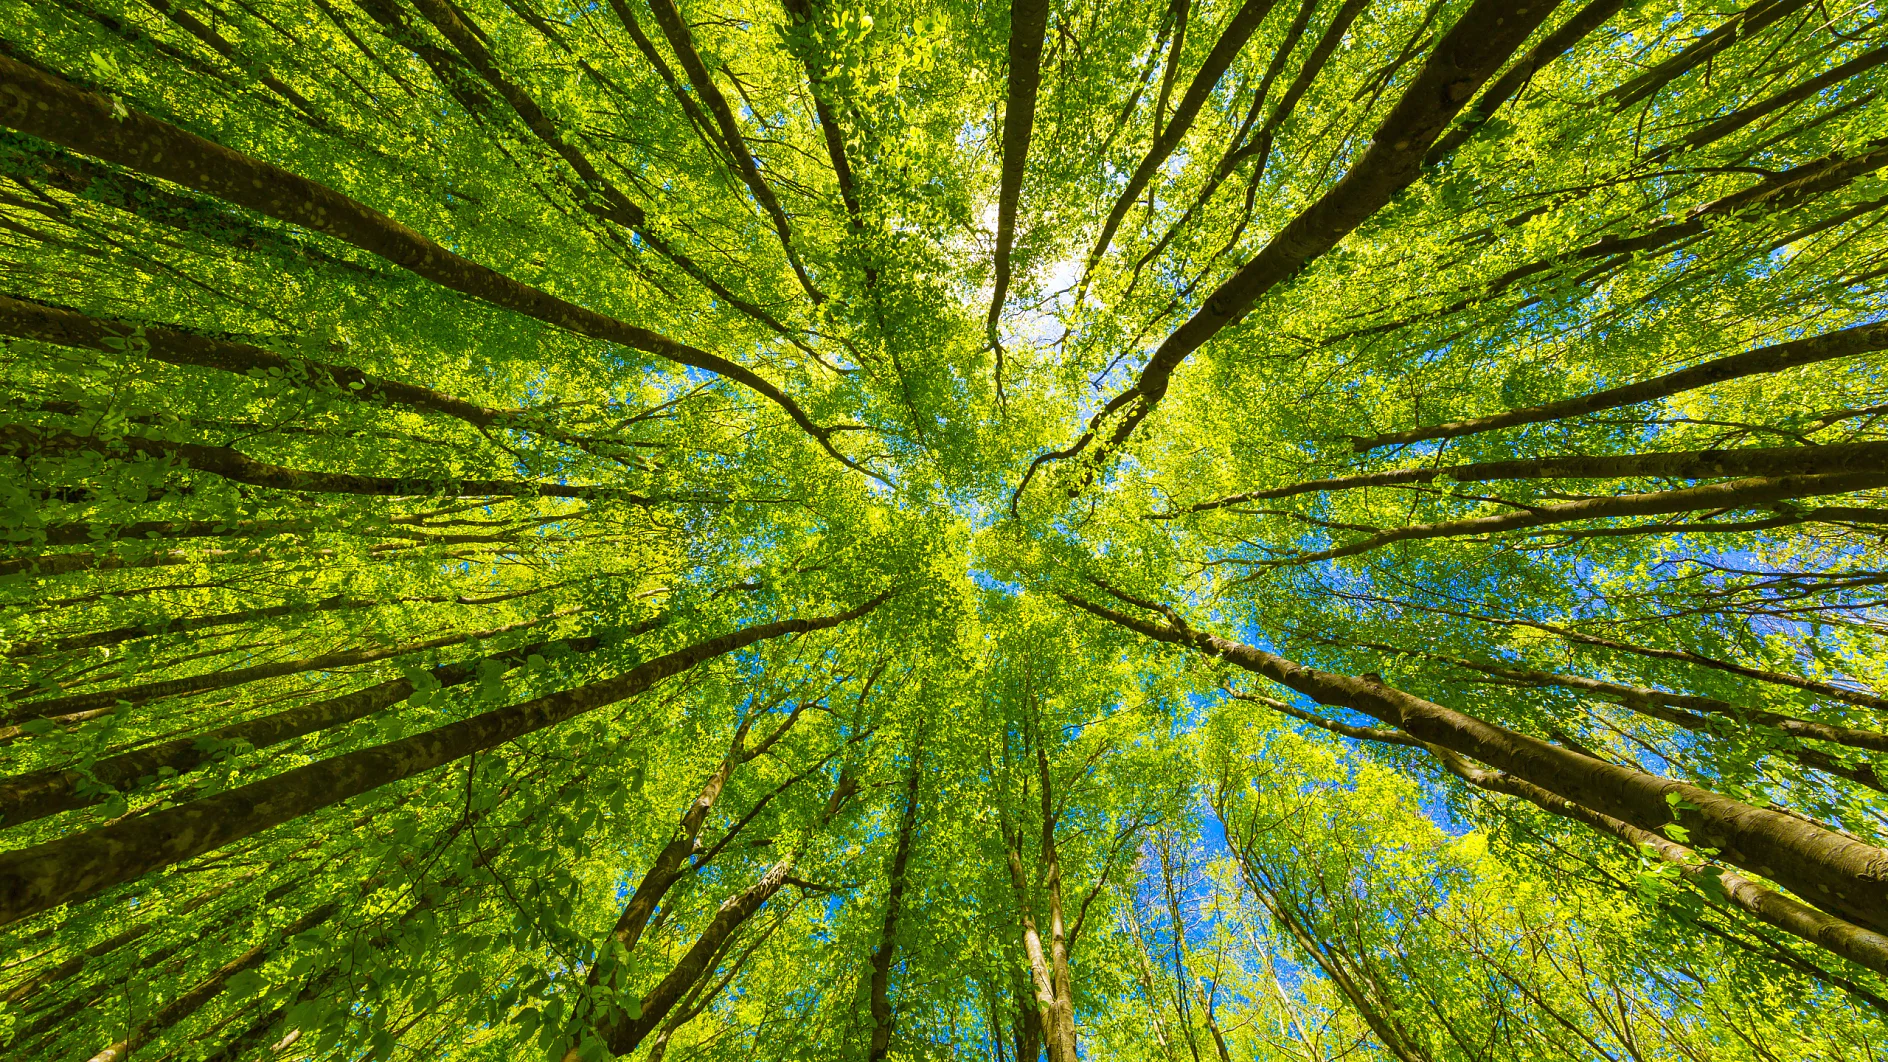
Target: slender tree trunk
18, 440
34, 320
1472, 49
222, 680
1845, 343
1835, 935
1048, 957
1734, 494
1239, 29
1060, 1028
1685, 464
669, 866
27, 797
1512, 80
675, 30
207, 989
1028, 1029
881, 962
47, 107
1029, 20
78, 866
623, 1034
1752, 19
1329, 957
181, 625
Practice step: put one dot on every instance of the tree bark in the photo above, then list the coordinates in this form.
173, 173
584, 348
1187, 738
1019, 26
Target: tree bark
669, 865
206, 990
18, 440
1486, 34
66, 328
675, 30
624, 1035
1516, 77
1636, 696
163, 625
1232, 40
1681, 464
1029, 20
1752, 19
1734, 494
1839, 937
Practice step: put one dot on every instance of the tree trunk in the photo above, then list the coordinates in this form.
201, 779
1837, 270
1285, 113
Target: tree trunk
18, 440
221, 680
75, 867
881, 963
1839, 874
52, 109
27, 797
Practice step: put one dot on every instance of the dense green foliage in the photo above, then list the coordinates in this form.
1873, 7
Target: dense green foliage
1293, 530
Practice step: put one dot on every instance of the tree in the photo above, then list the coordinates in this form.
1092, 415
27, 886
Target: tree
1232, 531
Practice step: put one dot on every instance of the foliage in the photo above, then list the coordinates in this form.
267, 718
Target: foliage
533, 529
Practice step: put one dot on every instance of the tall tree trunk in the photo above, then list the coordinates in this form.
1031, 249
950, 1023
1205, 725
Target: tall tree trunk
207, 989
1837, 873
1777, 357
881, 963
48, 107
1472, 49
19, 440
144, 693
79, 866
1029, 20
27, 797
1049, 969
669, 865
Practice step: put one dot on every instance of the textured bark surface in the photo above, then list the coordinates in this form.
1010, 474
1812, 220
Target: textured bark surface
1029, 19
1684, 464
625, 1035
1513, 79
670, 864
1852, 942
1758, 15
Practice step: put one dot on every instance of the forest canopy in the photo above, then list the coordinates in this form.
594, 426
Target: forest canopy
1167, 530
